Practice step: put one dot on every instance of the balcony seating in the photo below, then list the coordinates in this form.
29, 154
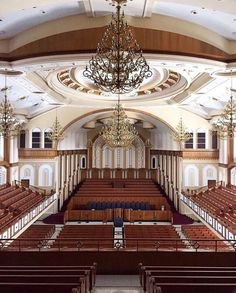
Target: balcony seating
16, 201
93, 205
155, 235
36, 236
220, 203
98, 198
85, 237
195, 232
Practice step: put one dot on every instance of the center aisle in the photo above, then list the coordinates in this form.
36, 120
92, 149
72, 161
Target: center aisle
117, 284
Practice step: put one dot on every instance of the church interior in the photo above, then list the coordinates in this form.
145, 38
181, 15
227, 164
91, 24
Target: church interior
117, 146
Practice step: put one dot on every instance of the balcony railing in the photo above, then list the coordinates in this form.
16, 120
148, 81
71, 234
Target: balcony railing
118, 244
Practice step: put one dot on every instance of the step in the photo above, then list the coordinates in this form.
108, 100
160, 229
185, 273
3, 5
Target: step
118, 290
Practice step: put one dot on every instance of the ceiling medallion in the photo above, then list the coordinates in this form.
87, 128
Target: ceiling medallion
73, 79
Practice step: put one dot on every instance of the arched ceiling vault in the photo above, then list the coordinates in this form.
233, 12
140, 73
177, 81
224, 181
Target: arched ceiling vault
184, 42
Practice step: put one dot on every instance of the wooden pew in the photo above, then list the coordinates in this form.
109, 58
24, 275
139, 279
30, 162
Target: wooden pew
150, 276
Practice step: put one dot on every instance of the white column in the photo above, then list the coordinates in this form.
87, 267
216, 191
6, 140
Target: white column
30, 138
194, 139
42, 135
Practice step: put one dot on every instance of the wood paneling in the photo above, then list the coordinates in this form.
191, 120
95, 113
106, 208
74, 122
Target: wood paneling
201, 154
118, 262
37, 153
108, 215
190, 154
86, 40
47, 153
155, 200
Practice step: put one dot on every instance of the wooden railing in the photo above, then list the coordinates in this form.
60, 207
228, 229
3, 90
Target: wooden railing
37, 153
31, 187
108, 173
117, 244
199, 154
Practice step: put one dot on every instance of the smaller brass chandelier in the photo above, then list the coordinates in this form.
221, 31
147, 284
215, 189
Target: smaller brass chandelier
55, 135
225, 126
119, 132
181, 133
10, 125
119, 66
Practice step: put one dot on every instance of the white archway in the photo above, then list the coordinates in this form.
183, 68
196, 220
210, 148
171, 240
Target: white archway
233, 176
3, 177
191, 176
45, 175
209, 172
27, 172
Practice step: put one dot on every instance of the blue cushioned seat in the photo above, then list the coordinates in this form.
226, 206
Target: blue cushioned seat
132, 205
103, 205
118, 222
122, 205
99, 206
118, 204
93, 205
142, 206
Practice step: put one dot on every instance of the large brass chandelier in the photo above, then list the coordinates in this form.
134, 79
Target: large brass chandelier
119, 66
226, 124
10, 125
119, 132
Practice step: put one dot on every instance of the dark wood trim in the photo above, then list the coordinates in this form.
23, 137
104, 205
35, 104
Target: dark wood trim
72, 152
118, 262
150, 40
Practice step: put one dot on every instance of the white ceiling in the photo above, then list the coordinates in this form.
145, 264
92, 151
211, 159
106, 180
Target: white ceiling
219, 21
217, 15
31, 95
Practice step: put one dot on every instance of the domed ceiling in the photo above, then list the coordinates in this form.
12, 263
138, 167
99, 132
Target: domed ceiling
48, 82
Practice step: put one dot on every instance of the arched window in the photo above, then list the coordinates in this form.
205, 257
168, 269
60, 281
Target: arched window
22, 139
83, 162
201, 139
45, 178
154, 162
36, 138
47, 141
107, 157
130, 157
191, 176
214, 139
2, 175
27, 172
